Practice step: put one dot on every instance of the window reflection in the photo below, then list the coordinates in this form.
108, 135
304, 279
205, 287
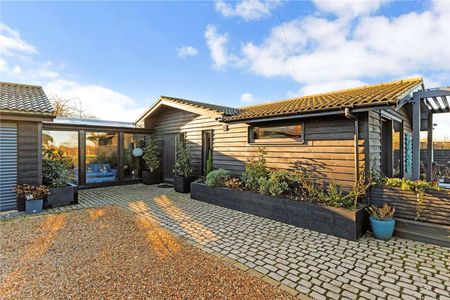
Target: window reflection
101, 157
67, 143
132, 164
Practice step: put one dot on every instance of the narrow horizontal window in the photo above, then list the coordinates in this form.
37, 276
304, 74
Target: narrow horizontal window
276, 133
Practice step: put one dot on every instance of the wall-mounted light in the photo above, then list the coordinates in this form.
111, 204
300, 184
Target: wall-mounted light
225, 127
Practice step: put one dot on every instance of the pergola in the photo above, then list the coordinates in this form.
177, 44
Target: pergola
425, 104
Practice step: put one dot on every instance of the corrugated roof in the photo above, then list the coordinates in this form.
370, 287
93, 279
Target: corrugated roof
224, 110
15, 97
369, 95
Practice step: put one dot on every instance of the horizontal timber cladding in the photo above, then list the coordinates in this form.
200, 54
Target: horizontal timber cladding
435, 208
29, 164
328, 150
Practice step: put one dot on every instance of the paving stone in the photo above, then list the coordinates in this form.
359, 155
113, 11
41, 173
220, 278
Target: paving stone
316, 264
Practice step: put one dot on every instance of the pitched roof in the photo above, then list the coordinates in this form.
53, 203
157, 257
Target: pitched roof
369, 95
23, 98
224, 110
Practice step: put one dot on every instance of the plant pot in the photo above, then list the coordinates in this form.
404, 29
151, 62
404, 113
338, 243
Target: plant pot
62, 196
34, 206
149, 177
382, 230
182, 184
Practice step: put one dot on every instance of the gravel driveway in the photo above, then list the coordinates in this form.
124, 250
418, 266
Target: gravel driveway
109, 252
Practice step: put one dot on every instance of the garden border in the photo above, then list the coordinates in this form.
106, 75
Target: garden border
340, 222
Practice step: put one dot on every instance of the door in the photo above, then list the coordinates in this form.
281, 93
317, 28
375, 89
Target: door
206, 149
8, 165
386, 147
169, 153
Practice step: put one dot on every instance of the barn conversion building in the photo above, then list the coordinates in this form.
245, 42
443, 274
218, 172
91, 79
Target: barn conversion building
338, 136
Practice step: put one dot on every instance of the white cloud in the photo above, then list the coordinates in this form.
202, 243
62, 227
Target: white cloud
217, 45
11, 43
341, 50
349, 8
247, 98
186, 51
18, 63
327, 86
249, 10
95, 98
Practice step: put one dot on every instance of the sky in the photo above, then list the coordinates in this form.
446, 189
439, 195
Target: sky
117, 58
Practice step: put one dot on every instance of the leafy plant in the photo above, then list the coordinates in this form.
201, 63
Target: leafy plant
418, 186
255, 169
232, 183
54, 174
183, 162
217, 177
151, 155
276, 184
209, 163
54, 168
31, 192
381, 213
335, 197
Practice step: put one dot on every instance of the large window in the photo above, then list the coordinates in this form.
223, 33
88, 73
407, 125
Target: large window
280, 133
397, 140
67, 143
101, 156
132, 164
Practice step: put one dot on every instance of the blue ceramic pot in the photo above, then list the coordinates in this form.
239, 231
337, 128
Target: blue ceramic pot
382, 230
34, 206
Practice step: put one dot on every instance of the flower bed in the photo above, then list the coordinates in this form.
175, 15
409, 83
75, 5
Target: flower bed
340, 222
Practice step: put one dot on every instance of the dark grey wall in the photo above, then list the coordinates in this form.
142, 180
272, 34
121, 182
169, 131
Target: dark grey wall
29, 162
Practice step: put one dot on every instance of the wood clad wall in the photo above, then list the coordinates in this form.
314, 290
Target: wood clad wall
328, 150
374, 118
29, 164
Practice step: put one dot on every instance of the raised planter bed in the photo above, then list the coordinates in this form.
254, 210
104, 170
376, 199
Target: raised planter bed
435, 209
347, 224
62, 196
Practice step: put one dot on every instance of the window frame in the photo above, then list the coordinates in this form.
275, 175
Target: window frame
276, 141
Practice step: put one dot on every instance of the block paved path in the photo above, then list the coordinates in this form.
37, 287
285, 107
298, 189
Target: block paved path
295, 259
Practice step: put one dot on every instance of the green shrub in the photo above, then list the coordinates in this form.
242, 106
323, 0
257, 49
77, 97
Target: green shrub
183, 162
217, 177
276, 184
54, 173
334, 196
151, 155
255, 169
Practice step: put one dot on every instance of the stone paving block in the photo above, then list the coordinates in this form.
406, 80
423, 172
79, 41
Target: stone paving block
320, 266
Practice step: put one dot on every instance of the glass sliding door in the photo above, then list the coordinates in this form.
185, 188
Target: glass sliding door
101, 157
66, 142
132, 162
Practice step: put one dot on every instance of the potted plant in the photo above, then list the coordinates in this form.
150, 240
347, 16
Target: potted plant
151, 158
182, 170
33, 197
382, 221
56, 176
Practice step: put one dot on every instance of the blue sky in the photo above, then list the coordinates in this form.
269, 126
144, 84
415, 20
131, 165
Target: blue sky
118, 57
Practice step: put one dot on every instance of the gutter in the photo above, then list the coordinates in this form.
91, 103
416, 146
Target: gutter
356, 141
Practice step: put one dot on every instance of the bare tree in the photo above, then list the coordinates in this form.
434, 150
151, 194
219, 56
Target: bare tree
81, 112
72, 107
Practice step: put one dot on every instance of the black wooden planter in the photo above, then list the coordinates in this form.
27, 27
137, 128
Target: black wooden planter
182, 184
62, 196
344, 223
154, 177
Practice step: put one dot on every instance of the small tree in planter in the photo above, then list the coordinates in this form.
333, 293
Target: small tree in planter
182, 170
33, 197
151, 159
56, 176
382, 221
